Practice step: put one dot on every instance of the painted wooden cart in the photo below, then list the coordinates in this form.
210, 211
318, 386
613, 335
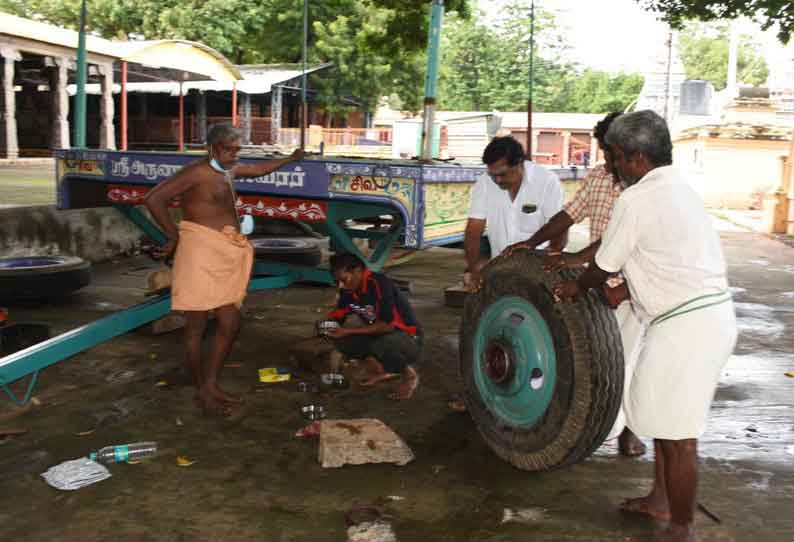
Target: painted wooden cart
424, 205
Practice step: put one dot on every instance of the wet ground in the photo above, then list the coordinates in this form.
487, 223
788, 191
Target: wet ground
252, 480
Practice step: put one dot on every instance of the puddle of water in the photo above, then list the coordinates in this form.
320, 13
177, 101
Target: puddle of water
760, 326
784, 269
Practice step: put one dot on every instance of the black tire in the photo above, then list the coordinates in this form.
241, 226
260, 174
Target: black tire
589, 364
288, 250
42, 277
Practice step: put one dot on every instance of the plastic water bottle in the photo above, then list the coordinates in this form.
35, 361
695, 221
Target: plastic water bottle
121, 453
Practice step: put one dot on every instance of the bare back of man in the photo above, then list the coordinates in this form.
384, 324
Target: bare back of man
208, 199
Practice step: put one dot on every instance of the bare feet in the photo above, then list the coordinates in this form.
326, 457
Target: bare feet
378, 378
223, 396
408, 385
654, 505
210, 405
677, 533
630, 445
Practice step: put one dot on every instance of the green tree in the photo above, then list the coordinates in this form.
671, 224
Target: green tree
485, 64
766, 12
594, 91
704, 52
486, 67
374, 44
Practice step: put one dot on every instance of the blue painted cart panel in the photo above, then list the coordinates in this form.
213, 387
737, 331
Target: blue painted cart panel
432, 200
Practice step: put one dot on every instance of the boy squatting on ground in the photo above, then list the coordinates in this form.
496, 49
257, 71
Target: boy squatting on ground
377, 325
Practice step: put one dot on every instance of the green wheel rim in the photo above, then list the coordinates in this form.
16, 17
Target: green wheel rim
515, 367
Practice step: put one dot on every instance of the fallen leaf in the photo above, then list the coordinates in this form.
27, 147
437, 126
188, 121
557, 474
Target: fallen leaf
183, 461
179, 421
85, 433
161, 384
134, 462
789, 373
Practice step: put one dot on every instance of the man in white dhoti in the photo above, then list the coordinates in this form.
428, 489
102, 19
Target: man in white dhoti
661, 238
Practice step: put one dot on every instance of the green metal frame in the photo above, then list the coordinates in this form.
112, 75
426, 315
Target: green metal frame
266, 275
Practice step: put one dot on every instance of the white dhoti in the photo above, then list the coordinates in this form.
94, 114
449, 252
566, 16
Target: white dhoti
631, 332
679, 364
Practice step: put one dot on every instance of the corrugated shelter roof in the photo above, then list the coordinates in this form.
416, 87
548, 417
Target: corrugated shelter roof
255, 79
510, 120
20, 27
178, 60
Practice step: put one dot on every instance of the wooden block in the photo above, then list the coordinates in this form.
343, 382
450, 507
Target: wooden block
312, 354
166, 324
455, 296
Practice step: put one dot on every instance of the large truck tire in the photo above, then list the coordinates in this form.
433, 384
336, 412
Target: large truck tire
292, 250
543, 381
42, 277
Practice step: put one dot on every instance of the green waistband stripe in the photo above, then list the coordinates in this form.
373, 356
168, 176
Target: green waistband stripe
701, 302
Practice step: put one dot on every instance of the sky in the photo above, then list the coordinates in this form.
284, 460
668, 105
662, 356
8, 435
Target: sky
617, 35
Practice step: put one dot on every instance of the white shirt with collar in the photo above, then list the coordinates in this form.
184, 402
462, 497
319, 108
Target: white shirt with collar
664, 241
506, 223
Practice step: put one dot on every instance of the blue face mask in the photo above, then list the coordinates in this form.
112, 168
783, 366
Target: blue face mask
214, 164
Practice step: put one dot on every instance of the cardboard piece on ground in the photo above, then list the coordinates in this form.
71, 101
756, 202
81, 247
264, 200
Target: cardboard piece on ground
360, 441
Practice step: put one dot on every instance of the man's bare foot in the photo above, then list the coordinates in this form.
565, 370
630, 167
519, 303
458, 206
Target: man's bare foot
677, 533
630, 445
407, 387
378, 378
224, 396
654, 505
210, 405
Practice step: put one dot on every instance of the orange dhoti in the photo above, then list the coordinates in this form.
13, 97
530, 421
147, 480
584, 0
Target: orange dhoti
211, 268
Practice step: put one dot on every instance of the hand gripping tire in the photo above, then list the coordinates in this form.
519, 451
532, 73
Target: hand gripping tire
42, 277
543, 381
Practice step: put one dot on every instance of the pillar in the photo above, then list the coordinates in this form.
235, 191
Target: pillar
60, 103
246, 119
566, 148
275, 114
593, 151
107, 131
201, 114
535, 147
9, 103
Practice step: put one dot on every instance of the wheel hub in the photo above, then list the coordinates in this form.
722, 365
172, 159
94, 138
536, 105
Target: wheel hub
499, 361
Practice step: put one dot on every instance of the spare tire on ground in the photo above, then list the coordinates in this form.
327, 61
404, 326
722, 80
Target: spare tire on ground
543, 381
42, 277
295, 251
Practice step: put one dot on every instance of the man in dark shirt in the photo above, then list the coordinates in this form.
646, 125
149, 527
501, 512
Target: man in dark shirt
378, 324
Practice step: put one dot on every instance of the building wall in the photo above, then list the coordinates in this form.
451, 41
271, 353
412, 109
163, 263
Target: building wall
40, 230
731, 173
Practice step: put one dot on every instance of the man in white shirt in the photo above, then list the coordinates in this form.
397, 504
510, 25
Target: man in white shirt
512, 201
662, 239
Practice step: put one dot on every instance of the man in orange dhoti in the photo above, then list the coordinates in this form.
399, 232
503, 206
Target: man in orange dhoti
213, 258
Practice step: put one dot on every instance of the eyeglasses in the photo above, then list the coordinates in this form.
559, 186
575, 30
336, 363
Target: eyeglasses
501, 174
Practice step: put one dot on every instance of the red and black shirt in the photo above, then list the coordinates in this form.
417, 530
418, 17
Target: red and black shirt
378, 298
